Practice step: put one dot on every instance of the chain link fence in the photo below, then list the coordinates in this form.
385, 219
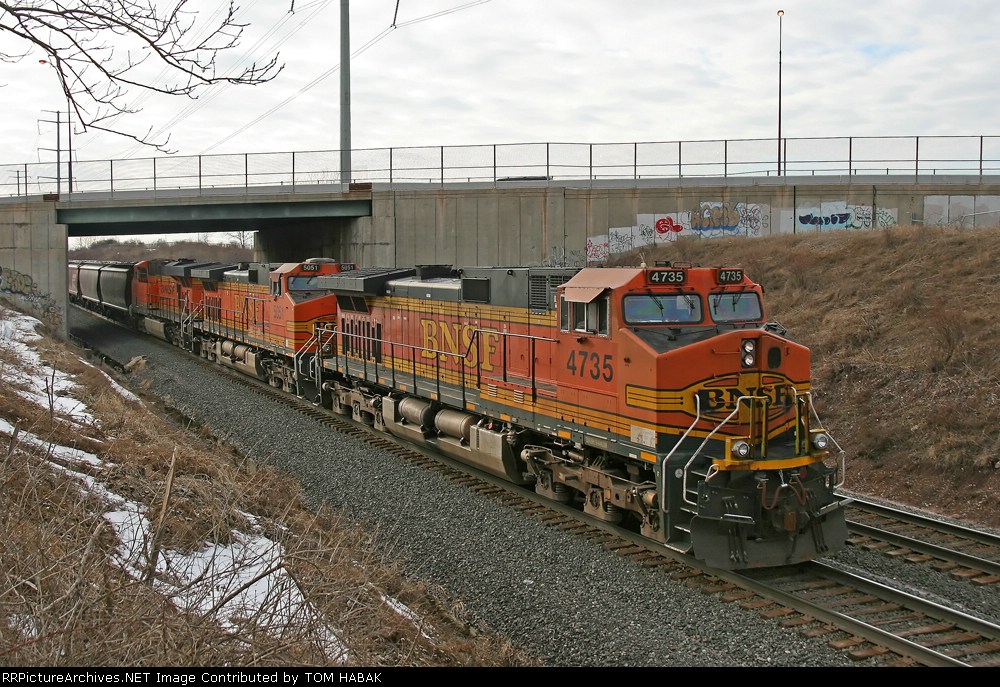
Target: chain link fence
289, 172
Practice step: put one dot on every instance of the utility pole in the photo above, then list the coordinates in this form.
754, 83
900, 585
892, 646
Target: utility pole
69, 135
58, 148
345, 92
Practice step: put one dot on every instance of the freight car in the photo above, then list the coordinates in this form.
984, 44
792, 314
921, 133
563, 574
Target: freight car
659, 398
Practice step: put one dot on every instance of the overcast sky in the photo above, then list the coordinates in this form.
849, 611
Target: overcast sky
510, 71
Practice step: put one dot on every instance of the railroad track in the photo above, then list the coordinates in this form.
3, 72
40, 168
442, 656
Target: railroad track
873, 623
963, 552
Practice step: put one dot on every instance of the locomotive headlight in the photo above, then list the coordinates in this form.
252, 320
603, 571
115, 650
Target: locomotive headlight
741, 449
749, 345
820, 440
748, 349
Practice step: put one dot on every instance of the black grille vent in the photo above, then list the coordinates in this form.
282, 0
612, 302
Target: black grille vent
538, 292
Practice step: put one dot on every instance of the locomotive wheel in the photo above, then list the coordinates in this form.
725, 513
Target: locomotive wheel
363, 416
338, 407
596, 506
556, 491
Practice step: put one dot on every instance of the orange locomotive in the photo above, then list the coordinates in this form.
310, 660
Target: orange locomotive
255, 317
659, 398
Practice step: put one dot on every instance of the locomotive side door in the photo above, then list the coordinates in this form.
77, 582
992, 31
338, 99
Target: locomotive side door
586, 362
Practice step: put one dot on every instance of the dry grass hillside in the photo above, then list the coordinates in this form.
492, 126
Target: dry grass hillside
905, 341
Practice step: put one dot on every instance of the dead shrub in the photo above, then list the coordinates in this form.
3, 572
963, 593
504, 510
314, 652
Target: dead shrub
946, 329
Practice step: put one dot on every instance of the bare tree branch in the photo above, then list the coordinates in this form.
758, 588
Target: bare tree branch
103, 51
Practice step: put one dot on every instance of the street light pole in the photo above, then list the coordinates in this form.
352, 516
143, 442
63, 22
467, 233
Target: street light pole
345, 92
781, 13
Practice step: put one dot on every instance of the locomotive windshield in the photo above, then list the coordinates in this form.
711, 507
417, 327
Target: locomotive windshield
303, 283
735, 306
664, 307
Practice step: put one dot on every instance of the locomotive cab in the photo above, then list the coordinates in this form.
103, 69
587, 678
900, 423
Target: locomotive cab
711, 406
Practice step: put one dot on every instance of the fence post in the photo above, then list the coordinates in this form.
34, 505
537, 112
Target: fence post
442, 165
916, 155
547, 160
981, 156
680, 171
246, 172
154, 176
850, 155
293, 171
590, 161
725, 157
111, 177
390, 166
635, 162
200, 187
494, 164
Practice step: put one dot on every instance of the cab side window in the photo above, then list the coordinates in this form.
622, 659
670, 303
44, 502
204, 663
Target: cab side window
589, 318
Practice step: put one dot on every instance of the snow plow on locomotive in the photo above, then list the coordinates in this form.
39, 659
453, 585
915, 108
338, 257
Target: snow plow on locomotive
659, 398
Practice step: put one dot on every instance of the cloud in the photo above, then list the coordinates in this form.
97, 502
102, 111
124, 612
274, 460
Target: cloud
572, 70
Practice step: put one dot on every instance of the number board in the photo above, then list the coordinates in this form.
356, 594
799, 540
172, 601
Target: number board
729, 275
310, 267
667, 276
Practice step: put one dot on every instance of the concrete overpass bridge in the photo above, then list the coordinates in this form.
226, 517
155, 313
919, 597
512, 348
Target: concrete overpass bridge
479, 212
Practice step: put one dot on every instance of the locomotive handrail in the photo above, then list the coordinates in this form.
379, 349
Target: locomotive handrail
705, 441
188, 311
297, 357
841, 454
663, 464
460, 356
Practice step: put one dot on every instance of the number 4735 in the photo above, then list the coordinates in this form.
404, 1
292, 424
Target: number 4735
587, 363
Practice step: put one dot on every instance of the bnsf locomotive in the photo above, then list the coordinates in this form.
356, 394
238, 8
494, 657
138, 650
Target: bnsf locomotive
655, 397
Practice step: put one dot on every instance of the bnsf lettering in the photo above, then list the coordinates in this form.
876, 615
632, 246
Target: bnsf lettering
715, 400
454, 340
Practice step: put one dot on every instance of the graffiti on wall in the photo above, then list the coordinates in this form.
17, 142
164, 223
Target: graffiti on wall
839, 215
560, 257
707, 219
711, 219
22, 289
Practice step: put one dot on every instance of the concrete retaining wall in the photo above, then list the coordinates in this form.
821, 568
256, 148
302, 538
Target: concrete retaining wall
578, 226
525, 225
33, 261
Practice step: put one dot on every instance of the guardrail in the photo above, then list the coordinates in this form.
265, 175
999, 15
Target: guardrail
499, 163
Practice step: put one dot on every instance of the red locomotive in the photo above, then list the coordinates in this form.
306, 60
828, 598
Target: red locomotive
656, 397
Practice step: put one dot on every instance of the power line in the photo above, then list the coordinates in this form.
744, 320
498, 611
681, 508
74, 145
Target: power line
295, 95
194, 105
371, 43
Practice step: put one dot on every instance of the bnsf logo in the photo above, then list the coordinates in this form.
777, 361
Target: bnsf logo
450, 341
721, 401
